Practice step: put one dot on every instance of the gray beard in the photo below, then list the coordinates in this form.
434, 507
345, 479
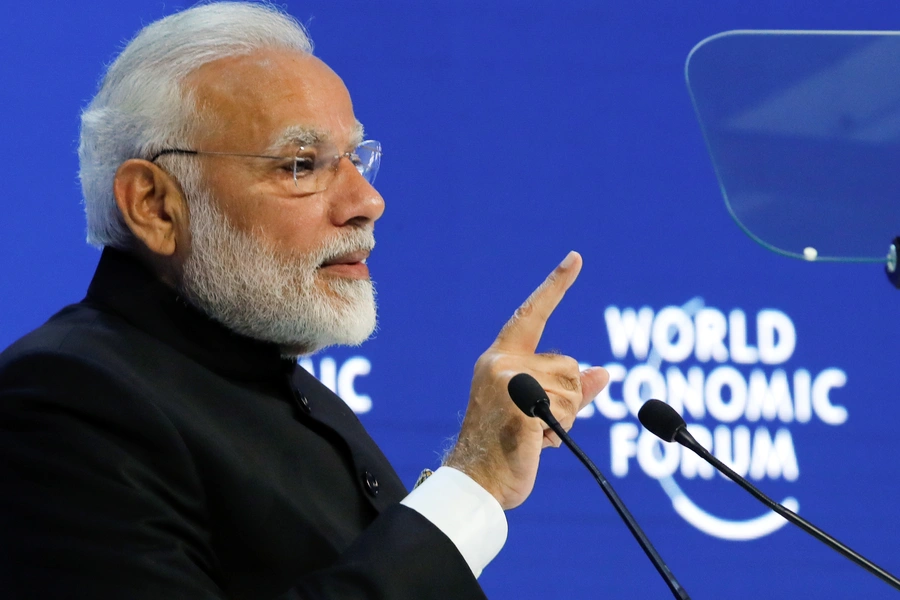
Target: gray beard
240, 282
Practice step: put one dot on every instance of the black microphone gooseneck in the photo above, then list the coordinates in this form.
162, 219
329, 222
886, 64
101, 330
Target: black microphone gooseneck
664, 422
531, 398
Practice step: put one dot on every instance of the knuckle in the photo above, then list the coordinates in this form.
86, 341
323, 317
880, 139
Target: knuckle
564, 370
499, 363
568, 383
484, 361
570, 365
481, 366
525, 310
565, 405
496, 364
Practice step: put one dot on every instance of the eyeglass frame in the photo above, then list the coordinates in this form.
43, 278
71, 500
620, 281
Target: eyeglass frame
335, 160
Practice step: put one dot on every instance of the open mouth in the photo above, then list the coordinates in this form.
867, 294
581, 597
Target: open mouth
352, 258
352, 264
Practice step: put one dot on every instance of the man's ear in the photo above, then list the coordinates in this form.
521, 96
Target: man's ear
152, 205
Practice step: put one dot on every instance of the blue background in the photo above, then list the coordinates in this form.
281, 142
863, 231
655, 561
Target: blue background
514, 132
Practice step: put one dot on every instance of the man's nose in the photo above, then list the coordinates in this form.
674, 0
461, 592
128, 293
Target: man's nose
354, 200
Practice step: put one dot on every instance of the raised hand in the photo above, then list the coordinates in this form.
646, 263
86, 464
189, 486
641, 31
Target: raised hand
499, 446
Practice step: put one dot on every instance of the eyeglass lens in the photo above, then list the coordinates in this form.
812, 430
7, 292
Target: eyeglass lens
314, 173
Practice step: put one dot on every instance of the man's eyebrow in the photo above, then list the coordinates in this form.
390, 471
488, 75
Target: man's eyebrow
357, 135
297, 135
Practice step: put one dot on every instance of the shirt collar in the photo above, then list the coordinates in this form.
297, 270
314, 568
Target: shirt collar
126, 287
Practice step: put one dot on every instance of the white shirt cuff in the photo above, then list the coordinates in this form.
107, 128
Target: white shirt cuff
467, 514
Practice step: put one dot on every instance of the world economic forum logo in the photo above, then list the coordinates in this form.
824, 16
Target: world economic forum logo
750, 394
340, 377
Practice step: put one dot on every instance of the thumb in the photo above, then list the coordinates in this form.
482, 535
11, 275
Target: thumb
593, 380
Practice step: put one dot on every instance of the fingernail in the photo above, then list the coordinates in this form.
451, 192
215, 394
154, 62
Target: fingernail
568, 260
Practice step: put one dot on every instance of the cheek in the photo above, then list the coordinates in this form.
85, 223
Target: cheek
290, 226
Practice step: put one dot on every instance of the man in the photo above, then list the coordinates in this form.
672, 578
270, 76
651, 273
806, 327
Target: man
158, 438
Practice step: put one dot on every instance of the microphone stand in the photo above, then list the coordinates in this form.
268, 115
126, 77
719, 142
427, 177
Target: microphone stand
683, 437
542, 410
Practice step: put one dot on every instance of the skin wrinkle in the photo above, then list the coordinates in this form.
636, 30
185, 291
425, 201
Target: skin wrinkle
570, 384
559, 376
521, 313
525, 310
567, 374
563, 406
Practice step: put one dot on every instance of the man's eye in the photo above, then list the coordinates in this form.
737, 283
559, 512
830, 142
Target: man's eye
303, 166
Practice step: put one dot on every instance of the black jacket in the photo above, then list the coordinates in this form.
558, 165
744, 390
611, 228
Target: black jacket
146, 451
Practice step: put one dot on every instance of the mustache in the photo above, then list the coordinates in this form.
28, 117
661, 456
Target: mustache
355, 240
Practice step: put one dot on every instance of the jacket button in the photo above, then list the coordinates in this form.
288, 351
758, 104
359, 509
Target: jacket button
371, 483
300, 400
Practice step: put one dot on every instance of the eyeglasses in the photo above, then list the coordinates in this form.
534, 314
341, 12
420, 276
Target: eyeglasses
313, 167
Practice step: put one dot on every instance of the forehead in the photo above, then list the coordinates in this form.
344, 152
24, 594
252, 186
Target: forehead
259, 99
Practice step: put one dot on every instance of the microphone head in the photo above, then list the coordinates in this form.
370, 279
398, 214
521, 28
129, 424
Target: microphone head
661, 419
526, 392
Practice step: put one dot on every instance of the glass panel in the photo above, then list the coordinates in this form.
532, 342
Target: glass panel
803, 128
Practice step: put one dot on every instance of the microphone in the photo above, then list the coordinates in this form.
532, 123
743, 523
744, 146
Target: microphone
531, 399
664, 422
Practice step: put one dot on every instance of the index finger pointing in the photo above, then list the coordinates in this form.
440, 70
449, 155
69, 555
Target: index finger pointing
523, 331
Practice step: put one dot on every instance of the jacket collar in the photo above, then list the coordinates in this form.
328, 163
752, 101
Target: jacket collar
126, 287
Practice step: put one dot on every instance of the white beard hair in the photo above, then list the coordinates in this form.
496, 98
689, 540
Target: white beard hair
237, 280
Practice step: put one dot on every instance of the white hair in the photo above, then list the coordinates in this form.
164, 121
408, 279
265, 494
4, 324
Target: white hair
238, 280
142, 105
